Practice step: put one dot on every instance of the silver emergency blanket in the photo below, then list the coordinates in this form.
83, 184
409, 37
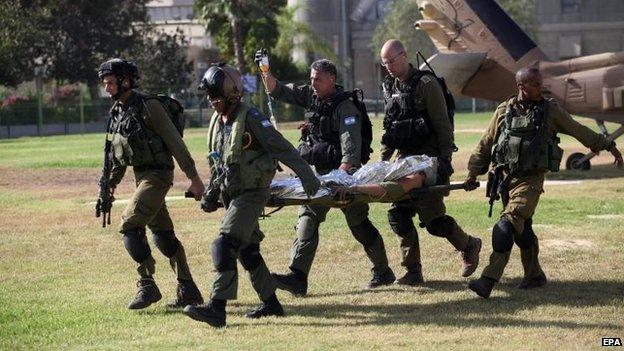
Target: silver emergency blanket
372, 173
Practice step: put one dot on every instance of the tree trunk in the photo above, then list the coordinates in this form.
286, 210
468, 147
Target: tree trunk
237, 32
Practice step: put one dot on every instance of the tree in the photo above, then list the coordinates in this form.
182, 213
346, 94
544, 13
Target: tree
22, 40
399, 24
240, 26
523, 13
162, 62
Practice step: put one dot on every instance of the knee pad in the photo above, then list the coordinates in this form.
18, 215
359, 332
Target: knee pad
442, 226
307, 227
166, 242
400, 220
224, 252
135, 242
527, 238
365, 233
250, 257
503, 236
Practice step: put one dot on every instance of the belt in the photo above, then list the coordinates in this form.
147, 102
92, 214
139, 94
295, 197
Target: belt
152, 167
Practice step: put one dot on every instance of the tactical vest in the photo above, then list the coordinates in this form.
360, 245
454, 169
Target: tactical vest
525, 146
321, 139
406, 125
133, 143
234, 145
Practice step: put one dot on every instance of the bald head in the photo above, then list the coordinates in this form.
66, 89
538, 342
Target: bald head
392, 47
394, 58
526, 74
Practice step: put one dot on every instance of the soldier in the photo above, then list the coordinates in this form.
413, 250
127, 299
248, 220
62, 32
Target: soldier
521, 142
331, 139
143, 136
417, 122
244, 150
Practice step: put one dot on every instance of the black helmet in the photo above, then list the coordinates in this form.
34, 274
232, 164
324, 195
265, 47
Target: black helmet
222, 80
120, 68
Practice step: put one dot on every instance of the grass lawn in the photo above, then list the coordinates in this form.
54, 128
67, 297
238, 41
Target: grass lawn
65, 281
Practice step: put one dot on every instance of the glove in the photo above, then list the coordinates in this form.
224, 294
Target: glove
445, 169
260, 55
470, 183
210, 199
311, 187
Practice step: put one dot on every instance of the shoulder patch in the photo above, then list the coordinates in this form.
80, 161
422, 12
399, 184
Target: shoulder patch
266, 123
425, 78
350, 120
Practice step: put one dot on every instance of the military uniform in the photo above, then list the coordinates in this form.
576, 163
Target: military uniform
333, 136
247, 148
416, 122
522, 139
143, 136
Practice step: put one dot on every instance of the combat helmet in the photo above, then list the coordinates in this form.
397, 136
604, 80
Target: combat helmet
224, 81
120, 68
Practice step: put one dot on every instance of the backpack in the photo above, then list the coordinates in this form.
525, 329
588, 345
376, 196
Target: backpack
356, 96
174, 110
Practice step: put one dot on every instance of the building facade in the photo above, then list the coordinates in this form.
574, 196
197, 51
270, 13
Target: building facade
571, 28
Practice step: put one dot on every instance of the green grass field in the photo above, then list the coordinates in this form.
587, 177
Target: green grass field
65, 281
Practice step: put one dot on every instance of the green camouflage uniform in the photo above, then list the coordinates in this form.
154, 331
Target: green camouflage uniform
348, 120
525, 189
250, 143
428, 96
152, 160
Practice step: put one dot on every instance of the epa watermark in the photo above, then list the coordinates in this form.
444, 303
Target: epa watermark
611, 342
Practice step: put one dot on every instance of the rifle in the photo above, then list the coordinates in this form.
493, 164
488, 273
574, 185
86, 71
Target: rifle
497, 186
105, 200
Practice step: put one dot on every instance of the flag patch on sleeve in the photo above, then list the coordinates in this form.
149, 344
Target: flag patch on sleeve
266, 123
350, 120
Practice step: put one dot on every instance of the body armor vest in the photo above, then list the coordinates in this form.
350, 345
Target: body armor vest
133, 143
525, 145
405, 125
235, 146
321, 137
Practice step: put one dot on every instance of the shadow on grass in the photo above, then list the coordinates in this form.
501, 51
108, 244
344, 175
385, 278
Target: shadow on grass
596, 172
496, 311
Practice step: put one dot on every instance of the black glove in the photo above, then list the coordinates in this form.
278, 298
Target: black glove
258, 56
445, 170
210, 199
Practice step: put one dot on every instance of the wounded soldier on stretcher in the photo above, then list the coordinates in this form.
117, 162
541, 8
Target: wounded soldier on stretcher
374, 182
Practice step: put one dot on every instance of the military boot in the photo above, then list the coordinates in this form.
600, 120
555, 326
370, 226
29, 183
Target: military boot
482, 286
413, 277
470, 256
187, 294
535, 282
206, 313
269, 307
294, 282
148, 294
385, 278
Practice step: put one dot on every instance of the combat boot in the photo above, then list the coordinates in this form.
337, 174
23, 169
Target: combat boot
206, 313
265, 310
470, 256
535, 282
413, 277
148, 294
386, 278
482, 286
295, 283
187, 294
